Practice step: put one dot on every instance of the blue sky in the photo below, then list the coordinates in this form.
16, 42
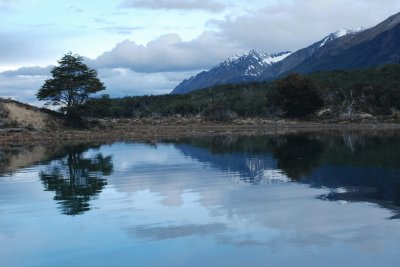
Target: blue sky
149, 46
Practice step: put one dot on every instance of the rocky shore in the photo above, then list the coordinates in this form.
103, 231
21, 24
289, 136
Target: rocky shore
157, 129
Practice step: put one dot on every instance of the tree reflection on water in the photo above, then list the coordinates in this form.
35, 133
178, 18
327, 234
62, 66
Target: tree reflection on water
76, 179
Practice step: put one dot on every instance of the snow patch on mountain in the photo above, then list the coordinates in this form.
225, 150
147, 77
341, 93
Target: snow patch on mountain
340, 33
262, 58
343, 32
254, 61
274, 58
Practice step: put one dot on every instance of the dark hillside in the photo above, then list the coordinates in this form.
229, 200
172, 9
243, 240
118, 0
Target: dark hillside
375, 91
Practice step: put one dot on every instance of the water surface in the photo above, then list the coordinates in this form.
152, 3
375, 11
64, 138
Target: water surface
294, 200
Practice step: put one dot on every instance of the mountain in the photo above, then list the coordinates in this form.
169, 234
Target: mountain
255, 66
301, 55
241, 68
376, 46
344, 49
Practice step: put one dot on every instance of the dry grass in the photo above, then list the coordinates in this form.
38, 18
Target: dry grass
112, 131
25, 116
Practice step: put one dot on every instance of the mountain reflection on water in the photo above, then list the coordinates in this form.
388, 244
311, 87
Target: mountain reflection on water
278, 200
354, 168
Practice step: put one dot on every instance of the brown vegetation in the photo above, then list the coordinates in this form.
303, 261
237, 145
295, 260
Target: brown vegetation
14, 114
152, 130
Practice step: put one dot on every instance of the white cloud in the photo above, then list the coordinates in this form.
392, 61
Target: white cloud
280, 27
120, 29
207, 5
309, 223
22, 84
168, 54
21, 88
29, 71
292, 25
125, 82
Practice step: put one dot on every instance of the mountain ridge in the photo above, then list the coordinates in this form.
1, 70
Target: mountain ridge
251, 66
299, 56
240, 68
375, 46
343, 49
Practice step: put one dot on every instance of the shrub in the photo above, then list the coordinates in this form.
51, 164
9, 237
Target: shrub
217, 111
296, 96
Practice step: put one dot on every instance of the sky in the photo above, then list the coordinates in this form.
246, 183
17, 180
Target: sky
149, 46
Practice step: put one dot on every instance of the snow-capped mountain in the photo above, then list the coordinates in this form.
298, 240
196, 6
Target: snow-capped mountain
301, 55
343, 49
255, 66
240, 68
371, 47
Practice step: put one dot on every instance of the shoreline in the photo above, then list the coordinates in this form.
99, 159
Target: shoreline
150, 130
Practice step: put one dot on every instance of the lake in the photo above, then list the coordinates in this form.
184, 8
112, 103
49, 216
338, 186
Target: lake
279, 200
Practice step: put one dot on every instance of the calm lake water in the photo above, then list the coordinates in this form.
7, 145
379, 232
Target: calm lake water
295, 200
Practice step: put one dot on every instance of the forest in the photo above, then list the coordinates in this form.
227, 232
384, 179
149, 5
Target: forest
333, 94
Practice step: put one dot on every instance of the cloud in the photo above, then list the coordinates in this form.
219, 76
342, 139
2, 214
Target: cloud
5, 3
30, 46
10, 6
292, 25
127, 69
168, 54
125, 82
29, 71
157, 67
76, 10
22, 84
280, 27
21, 88
275, 221
121, 29
101, 21
205, 5
171, 232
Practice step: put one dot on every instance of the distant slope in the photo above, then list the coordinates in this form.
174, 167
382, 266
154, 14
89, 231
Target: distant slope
241, 68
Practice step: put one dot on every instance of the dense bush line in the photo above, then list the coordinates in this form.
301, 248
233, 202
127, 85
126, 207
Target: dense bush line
375, 91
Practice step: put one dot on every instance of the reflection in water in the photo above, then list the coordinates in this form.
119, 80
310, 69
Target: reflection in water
17, 157
170, 232
237, 201
355, 168
76, 179
294, 156
297, 155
